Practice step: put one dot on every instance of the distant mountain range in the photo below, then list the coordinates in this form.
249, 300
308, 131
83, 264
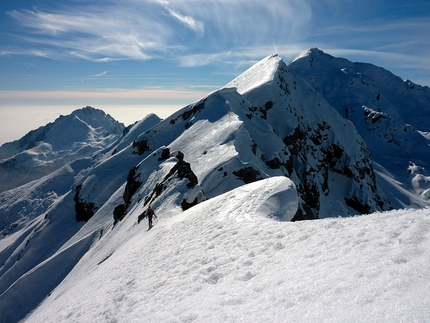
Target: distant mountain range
338, 138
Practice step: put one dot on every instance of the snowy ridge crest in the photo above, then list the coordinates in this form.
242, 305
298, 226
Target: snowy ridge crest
259, 74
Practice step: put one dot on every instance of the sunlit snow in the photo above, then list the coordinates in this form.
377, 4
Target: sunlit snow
225, 260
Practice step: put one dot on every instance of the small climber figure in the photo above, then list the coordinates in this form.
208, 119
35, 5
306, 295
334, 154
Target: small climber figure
150, 213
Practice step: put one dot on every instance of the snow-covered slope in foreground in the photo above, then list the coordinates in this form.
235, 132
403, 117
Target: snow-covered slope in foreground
224, 260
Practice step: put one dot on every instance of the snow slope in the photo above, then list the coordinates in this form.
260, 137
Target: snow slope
226, 260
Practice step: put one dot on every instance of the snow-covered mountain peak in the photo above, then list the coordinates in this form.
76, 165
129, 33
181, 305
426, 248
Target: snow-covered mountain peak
262, 72
314, 55
40, 152
307, 53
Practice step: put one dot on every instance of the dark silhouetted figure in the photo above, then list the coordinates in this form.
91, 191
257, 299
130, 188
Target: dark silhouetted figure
150, 213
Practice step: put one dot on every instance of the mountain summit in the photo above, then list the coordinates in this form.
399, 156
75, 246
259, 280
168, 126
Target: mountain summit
271, 146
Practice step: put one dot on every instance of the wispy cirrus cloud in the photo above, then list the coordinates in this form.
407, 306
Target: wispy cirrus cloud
142, 30
100, 74
195, 33
188, 21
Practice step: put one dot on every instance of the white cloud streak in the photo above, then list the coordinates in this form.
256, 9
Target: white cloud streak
100, 74
188, 21
148, 29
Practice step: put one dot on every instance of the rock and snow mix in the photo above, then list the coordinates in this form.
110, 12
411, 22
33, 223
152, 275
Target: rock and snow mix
225, 176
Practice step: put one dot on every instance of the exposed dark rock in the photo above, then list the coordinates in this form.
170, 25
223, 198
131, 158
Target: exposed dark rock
132, 185
311, 147
165, 154
304, 212
141, 146
188, 113
332, 155
248, 174
159, 187
373, 115
268, 105
360, 207
275, 163
84, 210
263, 110
185, 205
197, 107
119, 212
127, 129
183, 169
298, 134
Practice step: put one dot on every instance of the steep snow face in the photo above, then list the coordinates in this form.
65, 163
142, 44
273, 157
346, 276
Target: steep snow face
42, 151
260, 73
388, 113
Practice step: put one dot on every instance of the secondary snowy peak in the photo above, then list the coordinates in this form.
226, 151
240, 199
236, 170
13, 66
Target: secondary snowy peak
262, 72
44, 150
58, 131
308, 53
390, 115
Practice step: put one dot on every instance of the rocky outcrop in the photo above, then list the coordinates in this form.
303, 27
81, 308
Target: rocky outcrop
247, 174
132, 185
183, 170
198, 106
84, 210
119, 212
140, 146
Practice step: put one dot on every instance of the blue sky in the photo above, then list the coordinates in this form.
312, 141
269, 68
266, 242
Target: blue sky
158, 55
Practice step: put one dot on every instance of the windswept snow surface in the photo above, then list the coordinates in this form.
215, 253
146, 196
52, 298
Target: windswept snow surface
228, 260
